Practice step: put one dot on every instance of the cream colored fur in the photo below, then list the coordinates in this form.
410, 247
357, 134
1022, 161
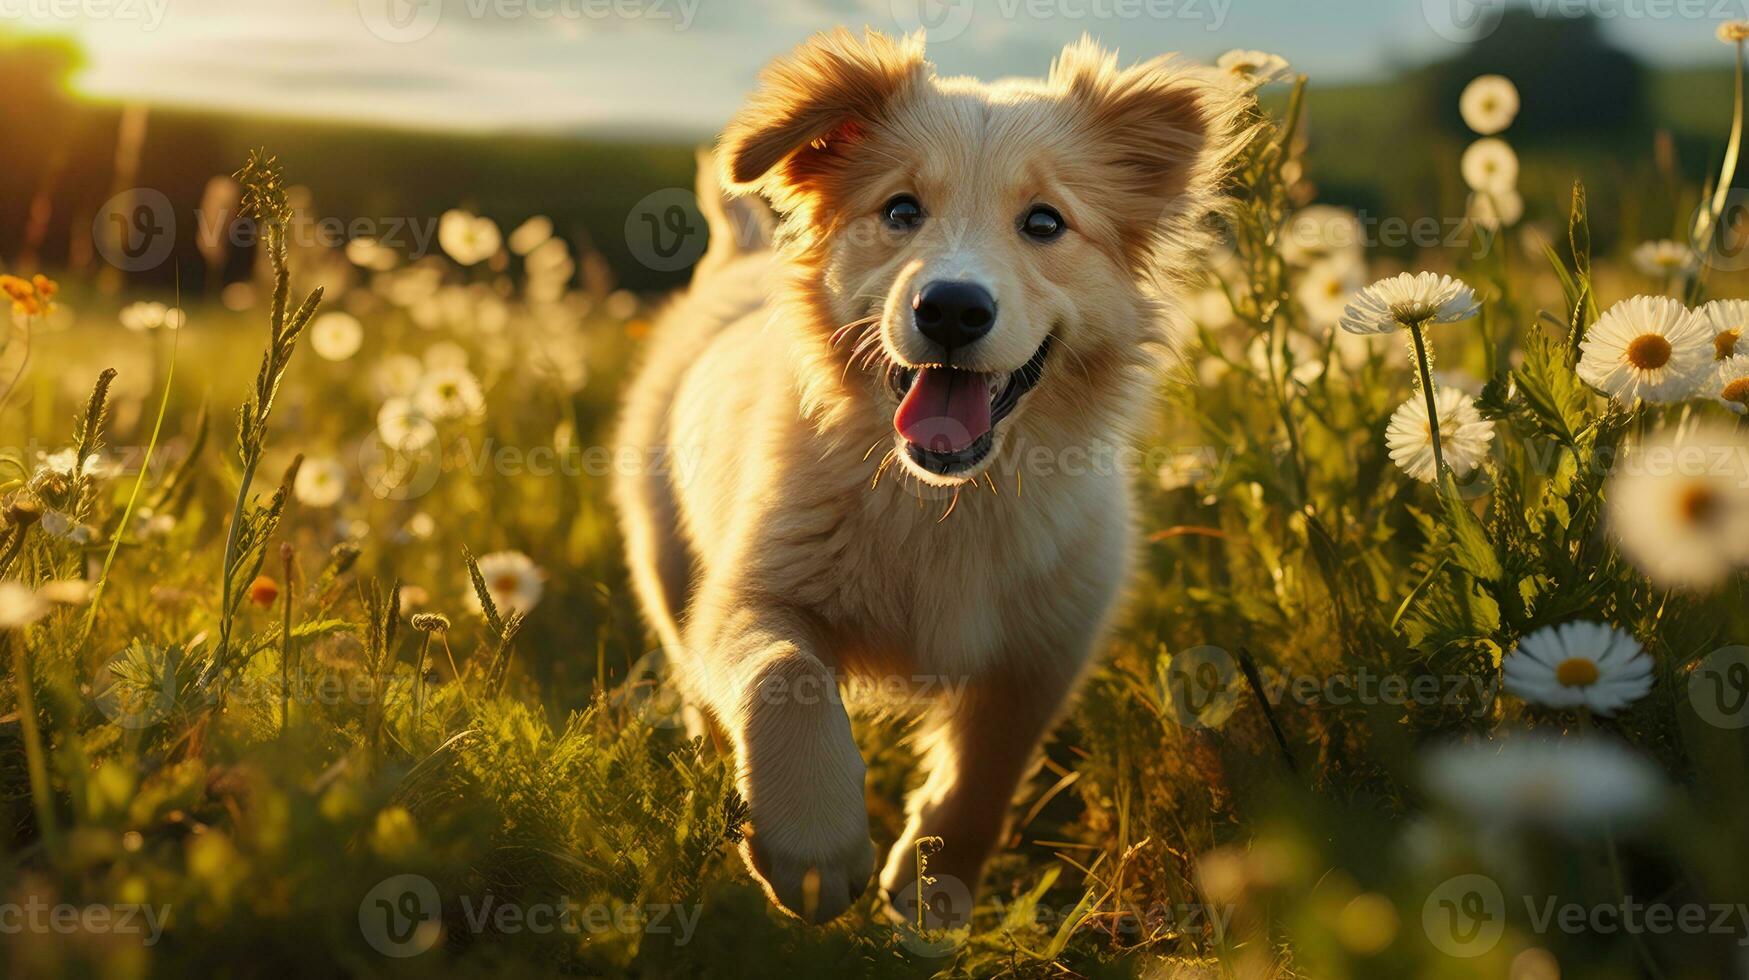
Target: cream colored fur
784, 553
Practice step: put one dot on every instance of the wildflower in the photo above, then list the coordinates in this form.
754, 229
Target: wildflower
1648, 348
263, 591
531, 234
1326, 289
446, 355
1489, 165
1489, 104
1322, 231
404, 428
1409, 299
368, 253
1733, 383
512, 579
320, 482
336, 336
142, 316
1464, 436
30, 297
413, 596
1574, 785
1252, 69
1728, 319
1579, 664
1664, 259
1734, 31
20, 606
398, 374
469, 239
1494, 210
449, 393
1679, 507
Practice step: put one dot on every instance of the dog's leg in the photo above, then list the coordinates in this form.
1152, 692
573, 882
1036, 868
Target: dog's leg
982, 745
799, 769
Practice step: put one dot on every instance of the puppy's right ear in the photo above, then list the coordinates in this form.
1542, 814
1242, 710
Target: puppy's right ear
812, 106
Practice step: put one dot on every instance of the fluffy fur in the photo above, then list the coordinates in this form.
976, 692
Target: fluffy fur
792, 545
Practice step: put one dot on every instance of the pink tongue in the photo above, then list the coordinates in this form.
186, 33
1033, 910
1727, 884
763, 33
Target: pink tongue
946, 410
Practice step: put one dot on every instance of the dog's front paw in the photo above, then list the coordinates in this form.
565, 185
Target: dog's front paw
808, 843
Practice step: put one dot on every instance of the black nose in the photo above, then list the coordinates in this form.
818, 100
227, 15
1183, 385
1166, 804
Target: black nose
954, 314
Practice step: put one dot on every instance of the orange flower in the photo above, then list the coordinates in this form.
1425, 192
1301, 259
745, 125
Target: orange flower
263, 591
15, 287
29, 297
46, 288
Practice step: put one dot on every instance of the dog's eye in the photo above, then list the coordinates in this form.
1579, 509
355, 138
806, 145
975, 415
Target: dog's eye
1043, 223
902, 212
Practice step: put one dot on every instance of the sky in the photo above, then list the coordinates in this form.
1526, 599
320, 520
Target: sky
684, 65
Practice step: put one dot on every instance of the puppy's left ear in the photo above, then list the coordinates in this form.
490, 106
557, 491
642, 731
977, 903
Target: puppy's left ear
810, 108
1164, 133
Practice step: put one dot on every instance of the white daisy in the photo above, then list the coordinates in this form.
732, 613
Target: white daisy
449, 393
1649, 348
1728, 319
1490, 165
513, 580
1321, 231
404, 428
143, 316
336, 336
368, 253
1390, 304
1252, 69
20, 606
1679, 507
1572, 785
1326, 289
1733, 382
446, 355
320, 482
531, 234
1494, 210
1579, 664
1489, 104
398, 374
469, 239
1464, 436
1664, 258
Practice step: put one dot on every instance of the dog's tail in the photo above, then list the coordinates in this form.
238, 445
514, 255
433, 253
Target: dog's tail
738, 225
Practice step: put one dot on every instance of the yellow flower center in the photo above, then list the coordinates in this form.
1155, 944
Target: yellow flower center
1737, 391
1576, 672
505, 583
1725, 344
1333, 288
1649, 352
1697, 503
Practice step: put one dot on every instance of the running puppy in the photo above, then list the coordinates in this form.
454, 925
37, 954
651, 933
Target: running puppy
870, 414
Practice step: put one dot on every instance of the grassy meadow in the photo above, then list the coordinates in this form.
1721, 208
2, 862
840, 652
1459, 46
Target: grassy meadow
320, 657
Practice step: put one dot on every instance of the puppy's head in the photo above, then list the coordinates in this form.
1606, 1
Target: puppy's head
983, 257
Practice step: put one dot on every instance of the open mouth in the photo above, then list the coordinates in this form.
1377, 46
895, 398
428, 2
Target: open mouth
948, 416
